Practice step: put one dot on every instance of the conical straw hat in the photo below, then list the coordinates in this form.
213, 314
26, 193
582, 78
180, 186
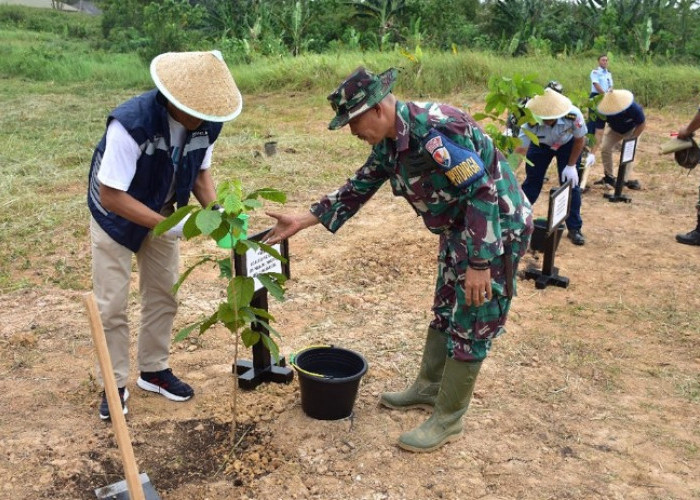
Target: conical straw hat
615, 101
676, 145
198, 83
549, 105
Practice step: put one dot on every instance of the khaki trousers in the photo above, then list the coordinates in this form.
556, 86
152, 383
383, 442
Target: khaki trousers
157, 261
610, 139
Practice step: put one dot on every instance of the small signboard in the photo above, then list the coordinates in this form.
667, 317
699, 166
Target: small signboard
256, 262
629, 147
251, 264
559, 204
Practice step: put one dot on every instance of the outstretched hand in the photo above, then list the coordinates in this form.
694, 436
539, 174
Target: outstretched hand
287, 226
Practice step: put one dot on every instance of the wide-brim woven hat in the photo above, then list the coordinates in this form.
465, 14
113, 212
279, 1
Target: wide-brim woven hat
360, 92
615, 101
676, 145
550, 105
198, 83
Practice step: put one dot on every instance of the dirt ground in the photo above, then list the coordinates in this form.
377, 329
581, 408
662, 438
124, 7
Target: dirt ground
594, 392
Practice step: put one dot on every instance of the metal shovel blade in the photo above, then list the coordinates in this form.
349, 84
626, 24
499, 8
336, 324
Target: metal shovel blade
119, 491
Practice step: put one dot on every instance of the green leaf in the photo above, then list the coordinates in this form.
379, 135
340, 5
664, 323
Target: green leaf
226, 313
247, 315
261, 313
268, 194
184, 275
185, 332
267, 327
271, 346
208, 323
533, 137
272, 251
172, 221
221, 231
208, 220
250, 337
272, 285
225, 268
190, 229
241, 290
252, 204
232, 204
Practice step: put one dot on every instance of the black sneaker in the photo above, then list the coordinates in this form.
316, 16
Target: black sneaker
608, 179
634, 185
165, 383
576, 237
104, 405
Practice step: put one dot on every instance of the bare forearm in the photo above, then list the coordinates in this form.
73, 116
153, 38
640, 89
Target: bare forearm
128, 207
694, 124
204, 189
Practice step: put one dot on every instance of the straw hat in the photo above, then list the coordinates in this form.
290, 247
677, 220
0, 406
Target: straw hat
550, 105
198, 83
615, 101
676, 145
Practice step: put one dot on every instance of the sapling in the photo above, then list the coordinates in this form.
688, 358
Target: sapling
225, 220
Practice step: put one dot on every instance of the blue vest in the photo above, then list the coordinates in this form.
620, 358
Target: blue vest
145, 118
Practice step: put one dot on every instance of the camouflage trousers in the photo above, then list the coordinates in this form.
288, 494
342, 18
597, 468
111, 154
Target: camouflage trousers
470, 329
697, 205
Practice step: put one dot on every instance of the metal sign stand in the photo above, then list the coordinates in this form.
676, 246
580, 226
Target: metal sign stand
262, 369
559, 205
629, 147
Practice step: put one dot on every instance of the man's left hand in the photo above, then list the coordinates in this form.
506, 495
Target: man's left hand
477, 288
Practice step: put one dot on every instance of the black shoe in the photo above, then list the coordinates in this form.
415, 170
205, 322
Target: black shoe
104, 405
609, 180
634, 185
576, 237
691, 238
165, 383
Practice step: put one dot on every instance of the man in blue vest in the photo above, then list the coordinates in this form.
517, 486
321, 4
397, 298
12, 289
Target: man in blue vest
155, 152
626, 120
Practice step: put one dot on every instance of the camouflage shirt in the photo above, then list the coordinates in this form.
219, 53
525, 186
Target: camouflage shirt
490, 211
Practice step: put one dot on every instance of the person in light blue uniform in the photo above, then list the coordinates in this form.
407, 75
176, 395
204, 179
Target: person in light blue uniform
561, 135
601, 82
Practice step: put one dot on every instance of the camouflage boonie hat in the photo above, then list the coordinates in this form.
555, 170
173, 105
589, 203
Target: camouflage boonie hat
358, 93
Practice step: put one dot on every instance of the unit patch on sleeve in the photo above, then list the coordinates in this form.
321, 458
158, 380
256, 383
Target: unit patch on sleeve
461, 165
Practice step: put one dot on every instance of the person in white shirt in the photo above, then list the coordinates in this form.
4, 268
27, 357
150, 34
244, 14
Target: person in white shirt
155, 153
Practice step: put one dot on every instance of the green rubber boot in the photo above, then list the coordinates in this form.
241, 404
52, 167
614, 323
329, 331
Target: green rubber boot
445, 424
422, 393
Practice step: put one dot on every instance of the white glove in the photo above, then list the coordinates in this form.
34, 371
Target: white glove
570, 174
590, 160
176, 230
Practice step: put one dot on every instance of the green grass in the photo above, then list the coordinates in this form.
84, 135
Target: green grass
58, 87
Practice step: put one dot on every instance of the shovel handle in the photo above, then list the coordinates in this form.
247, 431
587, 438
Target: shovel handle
131, 471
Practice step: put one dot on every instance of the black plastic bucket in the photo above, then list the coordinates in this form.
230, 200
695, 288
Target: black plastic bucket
328, 379
539, 235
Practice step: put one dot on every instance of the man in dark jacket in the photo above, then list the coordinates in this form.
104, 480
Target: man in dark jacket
626, 120
446, 167
155, 152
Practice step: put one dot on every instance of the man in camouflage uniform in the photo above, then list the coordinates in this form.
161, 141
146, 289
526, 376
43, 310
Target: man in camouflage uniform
438, 158
693, 237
